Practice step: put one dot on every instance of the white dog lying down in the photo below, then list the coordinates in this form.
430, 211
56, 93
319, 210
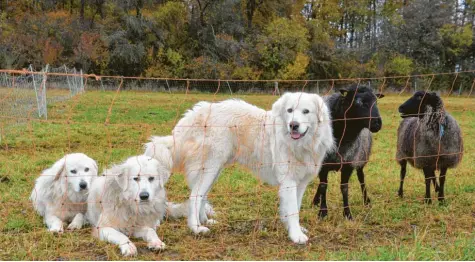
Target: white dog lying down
60, 193
285, 147
129, 200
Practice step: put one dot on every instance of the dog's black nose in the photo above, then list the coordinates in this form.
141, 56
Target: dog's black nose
144, 195
294, 125
83, 185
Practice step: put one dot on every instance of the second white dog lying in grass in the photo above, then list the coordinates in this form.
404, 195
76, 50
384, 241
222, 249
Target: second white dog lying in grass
60, 193
128, 201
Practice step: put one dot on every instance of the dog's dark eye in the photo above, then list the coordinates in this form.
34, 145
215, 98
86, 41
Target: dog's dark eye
290, 110
86, 169
73, 171
136, 178
419, 97
151, 178
305, 111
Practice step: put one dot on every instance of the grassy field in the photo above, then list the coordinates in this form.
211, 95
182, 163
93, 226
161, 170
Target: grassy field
249, 226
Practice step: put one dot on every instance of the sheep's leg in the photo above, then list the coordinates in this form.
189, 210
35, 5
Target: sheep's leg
322, 188
316, 198
345, 178
403, 164
443, 173
428, 174
360, 173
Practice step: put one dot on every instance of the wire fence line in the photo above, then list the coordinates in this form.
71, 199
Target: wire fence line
27, 93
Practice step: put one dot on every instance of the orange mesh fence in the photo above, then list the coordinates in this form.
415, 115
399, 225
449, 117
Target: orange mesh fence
111, 117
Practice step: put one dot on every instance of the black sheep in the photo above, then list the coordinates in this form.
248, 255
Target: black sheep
429, 138
354, 114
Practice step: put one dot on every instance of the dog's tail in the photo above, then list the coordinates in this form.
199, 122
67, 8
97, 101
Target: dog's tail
166, 141
179, 210
160, 148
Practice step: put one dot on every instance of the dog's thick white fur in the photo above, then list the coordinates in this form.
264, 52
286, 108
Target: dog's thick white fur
160, 148
128, 201
284, 147
60, 193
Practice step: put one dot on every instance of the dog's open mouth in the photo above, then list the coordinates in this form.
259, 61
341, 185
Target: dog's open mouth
297, 135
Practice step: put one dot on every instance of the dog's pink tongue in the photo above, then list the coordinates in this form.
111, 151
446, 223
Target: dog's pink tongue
295, 134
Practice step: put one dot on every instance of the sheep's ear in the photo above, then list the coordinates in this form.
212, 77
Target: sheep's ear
434, 98
58, 168
343, 91
379, 96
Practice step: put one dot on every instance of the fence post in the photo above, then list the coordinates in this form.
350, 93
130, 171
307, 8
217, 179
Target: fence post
43, 91
169, 91
82, 82
30, 68
227, 82
276, 88
71, 92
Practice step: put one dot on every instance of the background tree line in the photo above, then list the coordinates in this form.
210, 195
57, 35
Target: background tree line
240, 39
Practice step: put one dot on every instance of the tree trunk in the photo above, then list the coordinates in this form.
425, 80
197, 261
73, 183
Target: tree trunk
374, 35
81, 14
138, 8
99, 8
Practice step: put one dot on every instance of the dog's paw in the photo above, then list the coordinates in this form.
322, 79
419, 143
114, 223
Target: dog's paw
128, 249
298, 237
157, 224
200, 230
58, 229
211, 222
209, 210
156, 245
304, 230
74, 226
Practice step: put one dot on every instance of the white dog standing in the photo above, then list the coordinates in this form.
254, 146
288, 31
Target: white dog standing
285, 147
129, 200
60, 193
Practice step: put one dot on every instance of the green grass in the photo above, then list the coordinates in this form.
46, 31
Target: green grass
249, 226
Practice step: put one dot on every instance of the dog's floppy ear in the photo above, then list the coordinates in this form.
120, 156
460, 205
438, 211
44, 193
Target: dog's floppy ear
58, 168
96, 167
163, 179
320, 106
277, 106
120, 174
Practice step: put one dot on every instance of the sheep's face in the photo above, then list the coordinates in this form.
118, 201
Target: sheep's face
418, 104
360, 104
